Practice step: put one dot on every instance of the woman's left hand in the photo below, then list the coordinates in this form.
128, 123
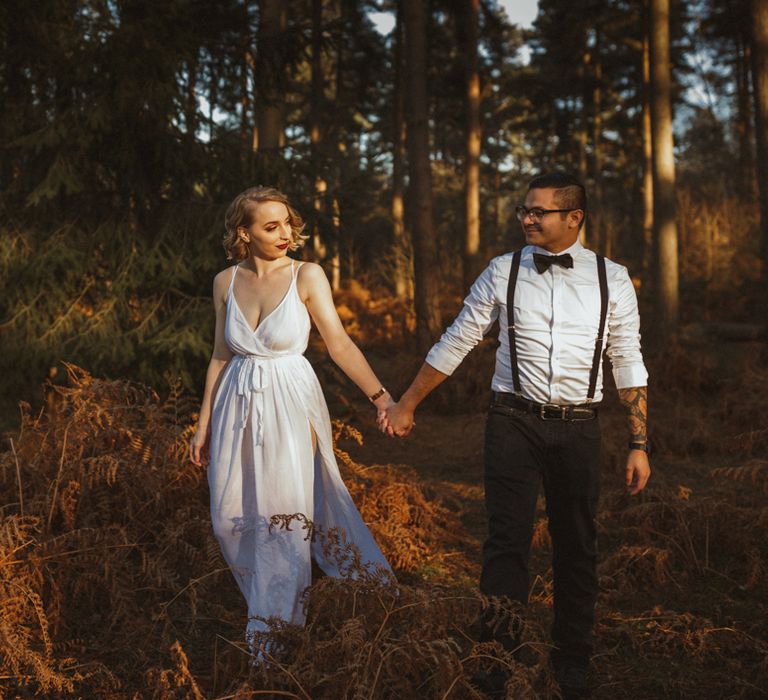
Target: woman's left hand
198, 447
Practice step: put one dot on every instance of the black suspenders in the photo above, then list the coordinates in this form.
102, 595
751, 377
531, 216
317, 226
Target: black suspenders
603, 280
511, 321
601, 276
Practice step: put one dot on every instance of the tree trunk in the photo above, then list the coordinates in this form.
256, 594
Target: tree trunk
598, 232
665, 226
190, 118
348, 27
760, 82
315, 130
472, 185
647, 149
428, 322
583, 141
498, 219
335, 261
402, 249
271, 75
247, 129
744, 130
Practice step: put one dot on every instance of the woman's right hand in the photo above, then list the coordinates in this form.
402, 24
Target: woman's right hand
198, 447
382, 406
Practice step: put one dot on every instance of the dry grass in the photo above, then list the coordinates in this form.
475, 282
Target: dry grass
112, 584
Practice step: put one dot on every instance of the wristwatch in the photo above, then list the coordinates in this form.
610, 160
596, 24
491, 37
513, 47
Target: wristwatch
644, 446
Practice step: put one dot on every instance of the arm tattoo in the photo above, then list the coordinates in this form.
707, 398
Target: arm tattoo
635, 400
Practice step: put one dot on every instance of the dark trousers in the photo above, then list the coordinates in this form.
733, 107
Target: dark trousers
521, 452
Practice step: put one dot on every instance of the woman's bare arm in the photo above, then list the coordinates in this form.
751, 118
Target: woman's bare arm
220, 356
316, 293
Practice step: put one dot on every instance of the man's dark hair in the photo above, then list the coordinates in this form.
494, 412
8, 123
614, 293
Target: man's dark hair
570, 192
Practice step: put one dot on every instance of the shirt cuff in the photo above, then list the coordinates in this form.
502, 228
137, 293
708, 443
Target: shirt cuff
442, 360
630, 376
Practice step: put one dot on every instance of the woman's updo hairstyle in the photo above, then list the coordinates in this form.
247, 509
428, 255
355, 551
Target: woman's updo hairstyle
240, 213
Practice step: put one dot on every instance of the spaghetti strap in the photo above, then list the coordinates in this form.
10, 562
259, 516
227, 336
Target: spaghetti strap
295, 267
232, 279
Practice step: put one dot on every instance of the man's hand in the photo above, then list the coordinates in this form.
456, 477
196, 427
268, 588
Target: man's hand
635, 400
399, 421
638, 471
399, 418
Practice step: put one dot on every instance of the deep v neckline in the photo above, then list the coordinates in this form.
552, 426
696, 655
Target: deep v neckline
263, 318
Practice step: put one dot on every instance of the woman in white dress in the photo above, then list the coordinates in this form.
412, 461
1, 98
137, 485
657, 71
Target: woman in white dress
264, 425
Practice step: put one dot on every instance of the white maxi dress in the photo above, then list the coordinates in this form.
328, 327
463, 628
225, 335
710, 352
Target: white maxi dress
262, 463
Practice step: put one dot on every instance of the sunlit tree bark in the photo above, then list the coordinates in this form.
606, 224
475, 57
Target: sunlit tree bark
402, 248
472, 166
665, 226
317, 91
647, 148
598, 230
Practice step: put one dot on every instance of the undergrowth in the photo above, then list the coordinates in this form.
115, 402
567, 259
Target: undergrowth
112, 584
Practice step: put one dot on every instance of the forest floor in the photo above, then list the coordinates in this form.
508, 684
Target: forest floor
670, 623
682, 566
113, 586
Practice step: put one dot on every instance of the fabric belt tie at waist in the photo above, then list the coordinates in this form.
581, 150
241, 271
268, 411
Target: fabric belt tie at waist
251, 383
545, 411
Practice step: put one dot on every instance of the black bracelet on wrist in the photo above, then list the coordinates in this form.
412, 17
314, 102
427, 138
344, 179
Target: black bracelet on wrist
372, 398
644, 446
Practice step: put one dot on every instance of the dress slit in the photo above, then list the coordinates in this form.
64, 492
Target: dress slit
272, 455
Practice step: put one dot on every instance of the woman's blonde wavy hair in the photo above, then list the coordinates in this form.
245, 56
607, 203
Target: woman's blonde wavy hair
240, 213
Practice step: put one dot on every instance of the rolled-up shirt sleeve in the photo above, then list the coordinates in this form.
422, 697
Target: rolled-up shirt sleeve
480, 310
623, 346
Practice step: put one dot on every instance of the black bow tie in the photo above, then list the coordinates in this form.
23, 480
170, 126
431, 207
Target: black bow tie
544, 262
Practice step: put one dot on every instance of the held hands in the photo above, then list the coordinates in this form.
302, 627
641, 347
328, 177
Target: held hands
396, 419
382, 406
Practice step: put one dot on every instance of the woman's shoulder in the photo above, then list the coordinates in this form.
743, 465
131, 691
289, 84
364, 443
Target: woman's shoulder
221, 281
225, 276
312, 281
311, 272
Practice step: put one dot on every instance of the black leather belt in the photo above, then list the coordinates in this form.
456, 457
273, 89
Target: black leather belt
546, 411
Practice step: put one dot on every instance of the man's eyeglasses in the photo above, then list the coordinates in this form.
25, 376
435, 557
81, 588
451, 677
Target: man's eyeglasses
537, 213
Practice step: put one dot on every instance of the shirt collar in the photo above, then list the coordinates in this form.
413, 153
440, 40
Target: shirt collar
573, 250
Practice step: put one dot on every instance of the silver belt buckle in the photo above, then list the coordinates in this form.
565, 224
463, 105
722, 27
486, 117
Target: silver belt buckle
542, 411
588, 413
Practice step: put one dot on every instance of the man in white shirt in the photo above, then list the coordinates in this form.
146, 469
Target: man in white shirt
569, 306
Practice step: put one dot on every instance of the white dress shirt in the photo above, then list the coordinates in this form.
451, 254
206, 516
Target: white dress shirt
556, 315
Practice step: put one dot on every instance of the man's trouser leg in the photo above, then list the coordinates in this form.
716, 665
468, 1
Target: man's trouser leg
572, 485
513, 460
